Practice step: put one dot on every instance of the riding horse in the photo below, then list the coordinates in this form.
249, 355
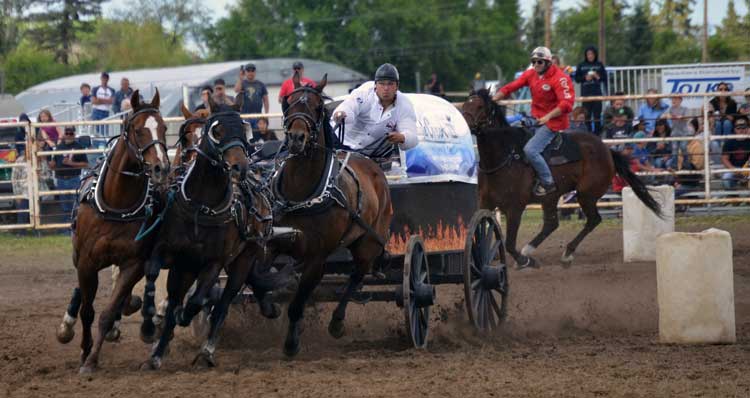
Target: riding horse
505, 179
333, 204
115, 221
219, 219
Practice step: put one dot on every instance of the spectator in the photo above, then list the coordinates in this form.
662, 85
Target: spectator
478, 83
650, 111
50, 134
254, 92
68, 168
724, 109
20, 179
567, 69
123, 93
20, 136
736, 153
206, 92
434, 86
677, 115
744, 109
263, 134
85, 99
220, 93
638, 125
592, 76
288, 86
619, 128
578, 124
662, 151
618, 104
102, 98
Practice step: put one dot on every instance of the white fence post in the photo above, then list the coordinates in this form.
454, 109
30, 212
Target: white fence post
706, 151
34, 202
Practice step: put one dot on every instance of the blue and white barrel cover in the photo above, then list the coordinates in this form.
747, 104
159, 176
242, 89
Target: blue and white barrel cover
446, 148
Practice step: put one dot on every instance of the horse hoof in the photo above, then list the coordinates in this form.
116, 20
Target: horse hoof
204, 360
133, 306
525, 263
151, 364
336, 328
86, 370
270, 310
113, 335
179, 316
291, 349
566, 260
65, 334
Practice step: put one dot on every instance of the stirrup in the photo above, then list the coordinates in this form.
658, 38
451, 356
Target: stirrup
541, 189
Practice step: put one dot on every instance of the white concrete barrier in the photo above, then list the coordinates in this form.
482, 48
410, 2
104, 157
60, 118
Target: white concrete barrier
695, 287
641, 227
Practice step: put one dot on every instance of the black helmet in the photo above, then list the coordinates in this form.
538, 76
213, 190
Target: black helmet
386, 72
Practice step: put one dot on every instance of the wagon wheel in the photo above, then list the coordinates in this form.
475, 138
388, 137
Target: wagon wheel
485, 273
418, 293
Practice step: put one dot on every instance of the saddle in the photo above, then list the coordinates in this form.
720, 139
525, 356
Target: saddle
561, 150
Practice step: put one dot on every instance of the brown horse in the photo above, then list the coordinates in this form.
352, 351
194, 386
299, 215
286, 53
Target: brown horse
116, 210
190, 132
357, 215
505, 181
218, 220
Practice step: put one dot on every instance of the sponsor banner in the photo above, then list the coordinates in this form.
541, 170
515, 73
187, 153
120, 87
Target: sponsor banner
702, 80
445, 143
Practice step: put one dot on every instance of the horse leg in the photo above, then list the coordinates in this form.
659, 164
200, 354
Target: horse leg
310, 279
127, 278
195, 303
551, 223
364, 251
88, 281
267, 307
178, 284
66, 331
237, 273
514, 222
588, 205
148, 310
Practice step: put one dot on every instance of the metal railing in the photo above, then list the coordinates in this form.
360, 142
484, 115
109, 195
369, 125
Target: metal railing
43, 203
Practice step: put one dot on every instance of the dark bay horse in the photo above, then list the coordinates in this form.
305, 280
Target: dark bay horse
505, 180
357, 215
217, 220
118, 204
190, 132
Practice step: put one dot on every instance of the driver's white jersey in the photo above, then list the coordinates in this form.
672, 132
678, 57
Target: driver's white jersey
367, 121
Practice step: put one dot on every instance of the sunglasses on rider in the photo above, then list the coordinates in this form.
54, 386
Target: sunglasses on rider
538, 61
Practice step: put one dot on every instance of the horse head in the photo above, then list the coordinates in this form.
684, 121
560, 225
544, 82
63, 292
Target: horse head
304, 116
480, 112
223, 140
190, 133
144, 133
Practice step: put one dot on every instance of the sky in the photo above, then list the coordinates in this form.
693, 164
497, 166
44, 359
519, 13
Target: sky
716, 8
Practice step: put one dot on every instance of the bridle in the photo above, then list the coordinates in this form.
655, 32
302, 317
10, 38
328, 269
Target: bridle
234, 136
480, 124
314, 127
184, 132
134, 149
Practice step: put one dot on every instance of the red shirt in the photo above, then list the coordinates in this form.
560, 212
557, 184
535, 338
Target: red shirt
288, 86
552, 90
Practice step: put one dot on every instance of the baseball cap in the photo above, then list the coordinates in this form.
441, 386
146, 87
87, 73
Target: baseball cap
298, 65
105, 74
70, 128
639, 134
250, 67
636, 122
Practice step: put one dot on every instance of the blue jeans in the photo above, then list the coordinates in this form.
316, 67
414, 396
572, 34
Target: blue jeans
98, 114
723, 127
67, 200
22, 204
533, 151
730, 180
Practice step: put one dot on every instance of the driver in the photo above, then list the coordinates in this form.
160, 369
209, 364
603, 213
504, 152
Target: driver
552, 98
378, 116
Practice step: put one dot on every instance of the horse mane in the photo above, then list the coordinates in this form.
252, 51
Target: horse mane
495, 109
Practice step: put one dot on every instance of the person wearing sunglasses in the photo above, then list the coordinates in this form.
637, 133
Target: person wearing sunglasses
736, 153
725, 109
552, 98
288, 86
68, 168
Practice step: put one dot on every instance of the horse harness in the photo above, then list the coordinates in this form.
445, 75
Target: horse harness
91, 189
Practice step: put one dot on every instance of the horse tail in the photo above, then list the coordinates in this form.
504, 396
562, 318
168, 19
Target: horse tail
622, 167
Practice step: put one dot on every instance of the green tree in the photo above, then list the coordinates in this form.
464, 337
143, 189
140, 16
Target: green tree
534, 27
730, 42
674, 15
10, 24
58, 25
639, 34
126, 45
576, 29
26, 66
182, 19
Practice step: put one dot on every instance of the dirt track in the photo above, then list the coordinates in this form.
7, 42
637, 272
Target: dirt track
587, 331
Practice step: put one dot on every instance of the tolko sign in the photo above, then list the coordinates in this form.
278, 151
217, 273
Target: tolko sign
701, 80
